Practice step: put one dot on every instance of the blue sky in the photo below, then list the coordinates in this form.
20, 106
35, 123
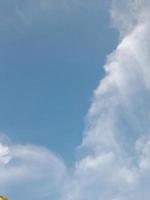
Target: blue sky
49, 69
74, 105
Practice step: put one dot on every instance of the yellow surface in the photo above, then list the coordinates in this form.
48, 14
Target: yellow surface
3, 198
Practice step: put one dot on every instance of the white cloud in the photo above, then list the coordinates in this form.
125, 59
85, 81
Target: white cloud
116, 143
30, 170
117, 160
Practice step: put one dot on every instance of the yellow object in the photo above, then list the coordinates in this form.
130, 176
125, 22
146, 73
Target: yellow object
3, 198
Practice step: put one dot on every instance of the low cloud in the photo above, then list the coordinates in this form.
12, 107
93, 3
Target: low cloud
115, 161
30, 171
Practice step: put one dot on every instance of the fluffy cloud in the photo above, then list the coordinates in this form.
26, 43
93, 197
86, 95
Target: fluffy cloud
115, 163
116, 142
27, 170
